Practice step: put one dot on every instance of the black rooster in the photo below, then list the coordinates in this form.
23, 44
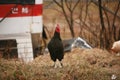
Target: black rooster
55, 47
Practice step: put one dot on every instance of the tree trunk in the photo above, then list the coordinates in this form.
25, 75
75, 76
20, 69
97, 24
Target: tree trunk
102, 31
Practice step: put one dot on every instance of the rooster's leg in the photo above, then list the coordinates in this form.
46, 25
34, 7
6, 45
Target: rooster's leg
61, 65
55, 65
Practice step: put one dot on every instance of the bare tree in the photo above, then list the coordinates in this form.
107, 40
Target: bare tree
111, 31
102, 31
113, 24
96, 18
63, 4
104, 39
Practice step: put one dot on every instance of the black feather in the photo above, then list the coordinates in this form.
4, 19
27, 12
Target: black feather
55, 47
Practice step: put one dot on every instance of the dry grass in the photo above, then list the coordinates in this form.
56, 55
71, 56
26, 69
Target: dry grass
80, 64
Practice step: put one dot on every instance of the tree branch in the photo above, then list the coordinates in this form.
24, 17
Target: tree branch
95, 2
58, 3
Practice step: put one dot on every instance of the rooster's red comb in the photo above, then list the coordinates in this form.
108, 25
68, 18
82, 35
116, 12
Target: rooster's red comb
57, 28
